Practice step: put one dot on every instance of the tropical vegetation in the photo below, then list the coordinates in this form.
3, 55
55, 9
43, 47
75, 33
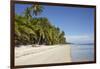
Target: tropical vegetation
30, 29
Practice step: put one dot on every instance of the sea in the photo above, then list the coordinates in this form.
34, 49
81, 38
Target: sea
82, 53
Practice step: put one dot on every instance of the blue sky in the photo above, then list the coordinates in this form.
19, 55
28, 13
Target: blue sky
77, 23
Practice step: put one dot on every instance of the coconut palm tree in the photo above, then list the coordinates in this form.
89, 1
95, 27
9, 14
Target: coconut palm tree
27, 14
36, 9
36, 30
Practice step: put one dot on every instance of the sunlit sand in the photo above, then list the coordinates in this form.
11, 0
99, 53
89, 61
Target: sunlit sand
28, 55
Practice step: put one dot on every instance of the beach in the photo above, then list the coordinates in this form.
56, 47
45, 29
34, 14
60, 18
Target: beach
41, 38
28, 55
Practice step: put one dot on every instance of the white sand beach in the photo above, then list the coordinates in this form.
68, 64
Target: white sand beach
28, 55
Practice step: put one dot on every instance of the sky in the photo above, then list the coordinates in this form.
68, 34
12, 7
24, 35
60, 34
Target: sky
77, 23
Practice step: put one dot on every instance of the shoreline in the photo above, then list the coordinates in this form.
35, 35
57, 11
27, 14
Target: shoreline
42, 55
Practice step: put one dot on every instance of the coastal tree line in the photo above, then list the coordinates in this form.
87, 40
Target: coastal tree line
30, 29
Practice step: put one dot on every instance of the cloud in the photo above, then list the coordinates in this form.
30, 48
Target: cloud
80, 38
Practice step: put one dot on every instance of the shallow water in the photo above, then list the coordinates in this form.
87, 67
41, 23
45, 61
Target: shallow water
82, 53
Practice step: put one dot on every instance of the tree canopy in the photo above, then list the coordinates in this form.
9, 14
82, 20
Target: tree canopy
36, 30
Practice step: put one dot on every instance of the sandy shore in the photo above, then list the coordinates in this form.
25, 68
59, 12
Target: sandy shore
27, 55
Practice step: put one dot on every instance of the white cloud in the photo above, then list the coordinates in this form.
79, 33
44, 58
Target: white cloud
80, 38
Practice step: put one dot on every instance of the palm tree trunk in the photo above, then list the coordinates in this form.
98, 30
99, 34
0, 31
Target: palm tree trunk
39, 41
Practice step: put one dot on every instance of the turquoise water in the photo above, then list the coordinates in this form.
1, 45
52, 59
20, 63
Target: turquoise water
82, 53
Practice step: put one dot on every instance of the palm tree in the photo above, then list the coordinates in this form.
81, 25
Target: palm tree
62, 38
36, 9
27, 14
33, 30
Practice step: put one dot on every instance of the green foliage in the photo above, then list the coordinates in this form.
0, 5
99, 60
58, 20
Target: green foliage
36, 9
33, 30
